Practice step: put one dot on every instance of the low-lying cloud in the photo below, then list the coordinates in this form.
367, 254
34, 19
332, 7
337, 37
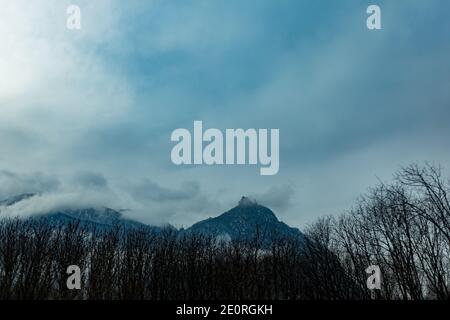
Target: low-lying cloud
146, 200
12, 183
53, 202
150, 190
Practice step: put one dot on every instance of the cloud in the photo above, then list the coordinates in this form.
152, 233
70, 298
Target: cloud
146, 200
88, 180
150, 190
180, 205
276, 197
53, 192
53, 202
94, 109
12, 184
54, 86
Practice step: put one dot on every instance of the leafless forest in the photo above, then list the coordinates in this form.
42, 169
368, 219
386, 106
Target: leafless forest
403, 227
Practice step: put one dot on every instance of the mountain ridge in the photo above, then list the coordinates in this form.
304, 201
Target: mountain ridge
243, 222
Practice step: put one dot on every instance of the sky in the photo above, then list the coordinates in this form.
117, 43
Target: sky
86, 115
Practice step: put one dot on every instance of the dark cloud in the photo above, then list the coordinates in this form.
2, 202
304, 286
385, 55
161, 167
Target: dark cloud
350, 104
90, 180
12, 183
150, 190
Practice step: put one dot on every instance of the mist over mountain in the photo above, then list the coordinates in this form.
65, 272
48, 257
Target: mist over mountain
13, 200
245, 221
98, 217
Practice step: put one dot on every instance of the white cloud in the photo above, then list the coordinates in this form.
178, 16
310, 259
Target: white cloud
54, 86
53, 202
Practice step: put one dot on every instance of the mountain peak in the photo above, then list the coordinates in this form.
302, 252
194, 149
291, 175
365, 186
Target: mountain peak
244, 221
247, 202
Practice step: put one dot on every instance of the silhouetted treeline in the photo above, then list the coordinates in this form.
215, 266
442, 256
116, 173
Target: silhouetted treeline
403, 227
143, 264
